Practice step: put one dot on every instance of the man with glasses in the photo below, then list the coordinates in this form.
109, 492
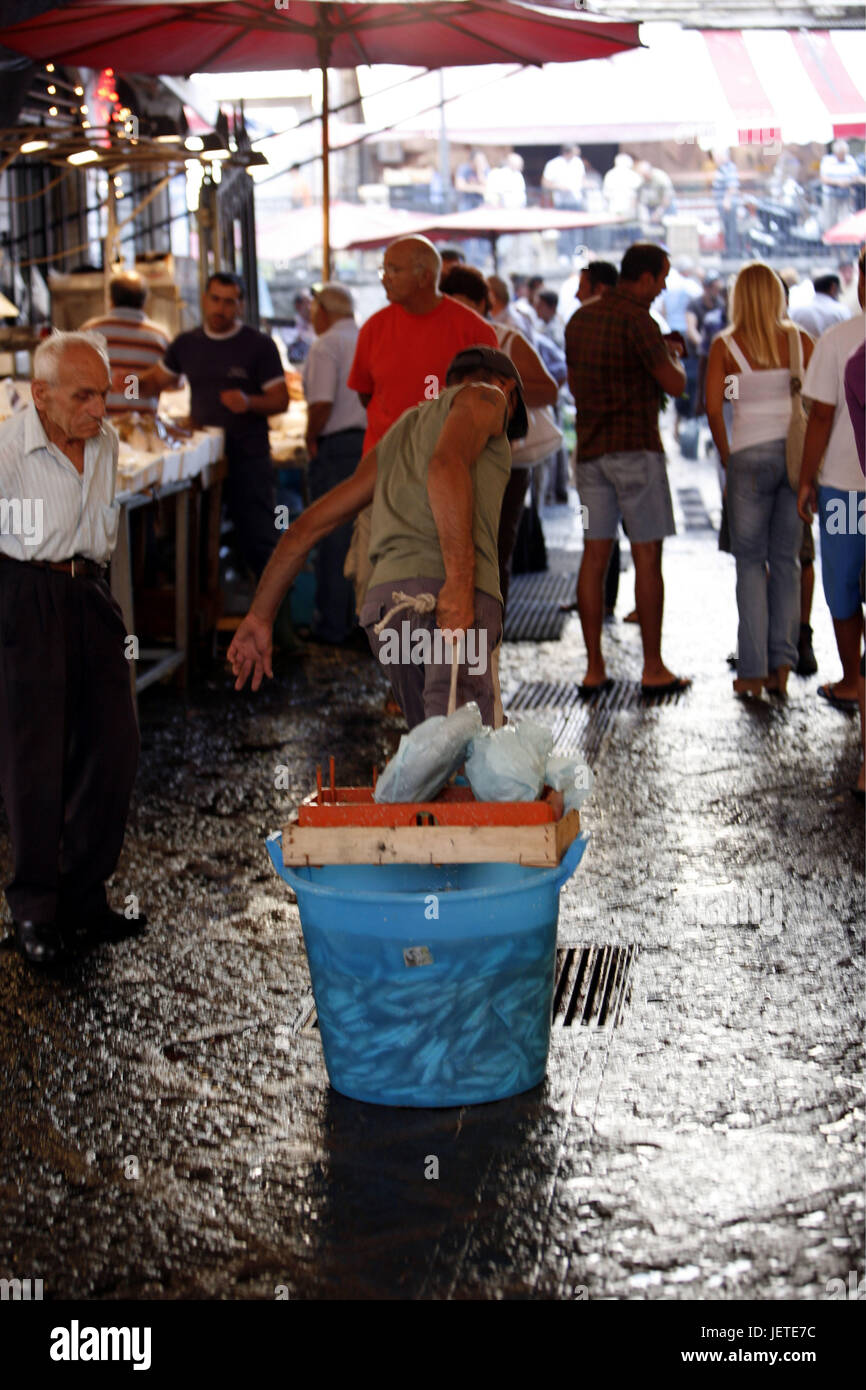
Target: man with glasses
404, 350
435, 481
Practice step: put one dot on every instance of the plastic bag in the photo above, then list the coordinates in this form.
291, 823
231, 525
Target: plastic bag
428, 755
509, 764
572, 777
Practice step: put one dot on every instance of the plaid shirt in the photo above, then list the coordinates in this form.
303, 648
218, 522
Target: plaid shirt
612, 346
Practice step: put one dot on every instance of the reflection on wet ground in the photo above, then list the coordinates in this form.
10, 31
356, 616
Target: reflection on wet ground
169, 1130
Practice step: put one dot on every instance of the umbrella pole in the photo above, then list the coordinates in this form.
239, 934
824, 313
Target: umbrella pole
494, 247
110, 238
324, 56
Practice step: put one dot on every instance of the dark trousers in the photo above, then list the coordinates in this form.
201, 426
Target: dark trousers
250, 497
68, 739
509, 525
334, 615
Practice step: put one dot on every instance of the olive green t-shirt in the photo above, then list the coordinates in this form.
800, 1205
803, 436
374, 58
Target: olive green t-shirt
404, 542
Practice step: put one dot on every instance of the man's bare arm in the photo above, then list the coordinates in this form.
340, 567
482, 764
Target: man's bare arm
155, 379
250, 651
318, 413
818, 433
272, 401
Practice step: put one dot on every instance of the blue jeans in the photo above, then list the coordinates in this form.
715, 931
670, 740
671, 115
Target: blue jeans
765, 540
334, 615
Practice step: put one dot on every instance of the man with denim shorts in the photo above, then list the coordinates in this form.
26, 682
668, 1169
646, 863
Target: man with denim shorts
830, 458
618, 365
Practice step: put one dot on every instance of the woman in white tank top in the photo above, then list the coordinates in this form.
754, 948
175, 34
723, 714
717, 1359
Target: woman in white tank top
748, 365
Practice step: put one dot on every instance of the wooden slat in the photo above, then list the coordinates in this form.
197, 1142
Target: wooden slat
539, 846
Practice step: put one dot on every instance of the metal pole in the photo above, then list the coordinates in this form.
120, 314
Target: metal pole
110, 235
444, 160
324, 56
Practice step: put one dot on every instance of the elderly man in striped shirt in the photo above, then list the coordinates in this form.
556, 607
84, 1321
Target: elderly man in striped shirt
134, 341
68, 731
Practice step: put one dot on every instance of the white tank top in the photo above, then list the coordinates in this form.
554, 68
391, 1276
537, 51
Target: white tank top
762, 405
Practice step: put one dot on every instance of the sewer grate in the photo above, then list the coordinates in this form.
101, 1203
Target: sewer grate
534, 613
695, 515
593, 985
580, 722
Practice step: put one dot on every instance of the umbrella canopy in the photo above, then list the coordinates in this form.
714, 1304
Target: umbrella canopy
851, 231
298, 231
491, 223
185, 36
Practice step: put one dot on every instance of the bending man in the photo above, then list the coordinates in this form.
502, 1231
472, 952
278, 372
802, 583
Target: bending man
436, 481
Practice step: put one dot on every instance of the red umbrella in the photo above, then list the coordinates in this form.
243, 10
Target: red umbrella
851, 231
491, 223
187, 36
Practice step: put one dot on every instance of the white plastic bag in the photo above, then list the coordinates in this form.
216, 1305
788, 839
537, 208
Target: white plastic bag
428, 755
509, 764
572, 777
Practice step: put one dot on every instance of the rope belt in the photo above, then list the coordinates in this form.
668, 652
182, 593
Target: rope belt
423, 603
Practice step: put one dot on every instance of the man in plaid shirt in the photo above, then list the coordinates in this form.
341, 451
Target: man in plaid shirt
618, 366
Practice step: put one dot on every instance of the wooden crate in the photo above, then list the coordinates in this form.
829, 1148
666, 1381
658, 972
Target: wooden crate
343, 825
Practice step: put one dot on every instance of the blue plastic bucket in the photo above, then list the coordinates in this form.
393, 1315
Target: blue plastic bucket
433, 984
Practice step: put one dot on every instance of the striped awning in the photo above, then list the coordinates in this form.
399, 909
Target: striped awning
780, 84
713, 87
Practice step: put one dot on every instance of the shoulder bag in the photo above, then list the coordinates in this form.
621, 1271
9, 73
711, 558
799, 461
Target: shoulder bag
797, 427
543, 438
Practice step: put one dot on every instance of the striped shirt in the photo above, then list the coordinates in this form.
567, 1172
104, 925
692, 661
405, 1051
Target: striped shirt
48, 510
134, 343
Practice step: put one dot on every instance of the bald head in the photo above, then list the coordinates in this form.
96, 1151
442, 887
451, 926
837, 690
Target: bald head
410, 274
421, 251
71, 377
128, 291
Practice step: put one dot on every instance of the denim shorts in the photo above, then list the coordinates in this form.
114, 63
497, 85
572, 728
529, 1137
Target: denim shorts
633, 486
843, 543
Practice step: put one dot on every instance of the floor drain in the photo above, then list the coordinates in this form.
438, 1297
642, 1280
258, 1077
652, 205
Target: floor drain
534, 613
695, 515
593, 984
579, 724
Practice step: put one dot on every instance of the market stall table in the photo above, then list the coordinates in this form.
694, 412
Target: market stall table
181, 475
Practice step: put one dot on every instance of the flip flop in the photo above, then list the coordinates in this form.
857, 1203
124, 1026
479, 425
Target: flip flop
586, 690
673, 687
825, 692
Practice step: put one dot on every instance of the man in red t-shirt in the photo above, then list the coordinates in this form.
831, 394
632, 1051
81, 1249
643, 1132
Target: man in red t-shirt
404, 350
403, 353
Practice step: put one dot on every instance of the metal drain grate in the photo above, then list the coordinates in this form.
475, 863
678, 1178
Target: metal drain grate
695, 515
593, 985
533, 613
580, 722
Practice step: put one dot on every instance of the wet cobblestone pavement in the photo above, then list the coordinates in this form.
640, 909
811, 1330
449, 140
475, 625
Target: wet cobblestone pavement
168, 1127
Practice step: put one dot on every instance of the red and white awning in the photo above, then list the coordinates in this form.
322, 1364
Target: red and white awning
711, 87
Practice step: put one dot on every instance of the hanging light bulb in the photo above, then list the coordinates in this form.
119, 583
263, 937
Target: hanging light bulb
52, 110
49, 67
52, 91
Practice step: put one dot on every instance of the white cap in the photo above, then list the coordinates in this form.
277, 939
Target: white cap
335, 299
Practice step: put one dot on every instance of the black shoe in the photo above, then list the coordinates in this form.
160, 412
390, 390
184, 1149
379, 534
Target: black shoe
806, 663
40, 943
108, 925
